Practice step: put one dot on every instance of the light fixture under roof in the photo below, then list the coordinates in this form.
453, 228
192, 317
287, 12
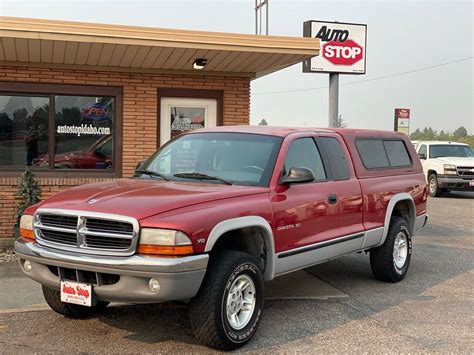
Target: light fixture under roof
199, 63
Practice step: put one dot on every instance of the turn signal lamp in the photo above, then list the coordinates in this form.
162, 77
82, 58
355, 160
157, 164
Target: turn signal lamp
164, 242
26, 227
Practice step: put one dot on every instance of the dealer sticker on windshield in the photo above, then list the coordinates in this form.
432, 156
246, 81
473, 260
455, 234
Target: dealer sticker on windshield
76, 293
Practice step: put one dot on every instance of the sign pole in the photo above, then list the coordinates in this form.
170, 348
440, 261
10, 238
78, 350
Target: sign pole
333, 99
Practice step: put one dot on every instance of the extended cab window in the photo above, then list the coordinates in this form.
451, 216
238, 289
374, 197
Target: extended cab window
303, 153
337, 158
380, 154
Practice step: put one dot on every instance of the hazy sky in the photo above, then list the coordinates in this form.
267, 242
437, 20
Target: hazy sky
402, 36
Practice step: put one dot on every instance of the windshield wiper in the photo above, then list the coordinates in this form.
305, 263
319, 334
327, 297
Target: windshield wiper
151, 173
201, 176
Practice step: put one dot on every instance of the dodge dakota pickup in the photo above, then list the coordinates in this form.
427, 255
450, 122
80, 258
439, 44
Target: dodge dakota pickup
215, 213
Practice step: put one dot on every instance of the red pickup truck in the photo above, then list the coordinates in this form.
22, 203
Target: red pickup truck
215, 213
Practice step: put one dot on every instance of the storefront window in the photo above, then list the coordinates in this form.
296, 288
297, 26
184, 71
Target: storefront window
84, 132
78, 135
24, 130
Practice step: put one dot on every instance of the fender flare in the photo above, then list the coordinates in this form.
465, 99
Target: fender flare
245, 222
403, 196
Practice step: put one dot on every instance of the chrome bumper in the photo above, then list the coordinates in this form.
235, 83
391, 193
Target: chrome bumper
179, 278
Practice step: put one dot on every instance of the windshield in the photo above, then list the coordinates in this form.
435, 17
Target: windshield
450, 150
237, 158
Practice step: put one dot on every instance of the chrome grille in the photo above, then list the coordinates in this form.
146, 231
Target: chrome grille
466, 171
86, 232
58, 221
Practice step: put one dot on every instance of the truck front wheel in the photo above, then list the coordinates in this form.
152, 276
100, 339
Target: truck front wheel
227, 310
435, 190
389, 262
53, 299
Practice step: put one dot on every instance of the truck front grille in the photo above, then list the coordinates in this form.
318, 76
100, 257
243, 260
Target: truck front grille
86, 232
466, 171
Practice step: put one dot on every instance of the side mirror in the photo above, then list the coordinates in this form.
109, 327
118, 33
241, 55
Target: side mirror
139, 165
422, 156
298, 175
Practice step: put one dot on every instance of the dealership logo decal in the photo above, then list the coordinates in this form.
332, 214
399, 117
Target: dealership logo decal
84, 129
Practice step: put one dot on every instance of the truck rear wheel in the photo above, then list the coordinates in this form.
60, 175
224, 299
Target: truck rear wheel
390, 261
53, 299
227, 310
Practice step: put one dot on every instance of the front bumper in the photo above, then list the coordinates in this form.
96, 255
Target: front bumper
179, 278
455, 183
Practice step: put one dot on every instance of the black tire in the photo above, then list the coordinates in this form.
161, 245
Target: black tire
433, 186
207, 310
382, 260
53, 299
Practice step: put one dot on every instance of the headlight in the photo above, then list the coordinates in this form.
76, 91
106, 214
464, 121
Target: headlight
450, 169
164, 242
26, 226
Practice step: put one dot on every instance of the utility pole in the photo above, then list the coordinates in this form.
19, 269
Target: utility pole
259, 8
333, 99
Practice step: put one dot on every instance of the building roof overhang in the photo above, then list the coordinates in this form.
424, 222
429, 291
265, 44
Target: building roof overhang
143, 49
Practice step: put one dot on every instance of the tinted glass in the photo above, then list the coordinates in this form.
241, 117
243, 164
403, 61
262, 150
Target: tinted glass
244, 159
450, 150
372, 153
84, 129
397, 153
24, 130
422, 150
337, 158
303, 153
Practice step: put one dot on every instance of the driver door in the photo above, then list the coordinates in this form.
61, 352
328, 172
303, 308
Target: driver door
305, 213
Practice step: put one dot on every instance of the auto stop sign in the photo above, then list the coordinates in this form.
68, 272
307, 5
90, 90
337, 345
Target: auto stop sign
342, 47
346, 53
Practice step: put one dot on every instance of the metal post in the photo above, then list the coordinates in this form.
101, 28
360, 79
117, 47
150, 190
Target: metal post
266, 21
333, 99
256, 18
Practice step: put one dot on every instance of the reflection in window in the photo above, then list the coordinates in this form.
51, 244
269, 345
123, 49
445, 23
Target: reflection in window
84, 129
24, 130
303, 153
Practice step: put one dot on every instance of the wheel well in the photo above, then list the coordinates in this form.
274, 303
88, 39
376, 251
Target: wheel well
249, 240
405, 210
431, 172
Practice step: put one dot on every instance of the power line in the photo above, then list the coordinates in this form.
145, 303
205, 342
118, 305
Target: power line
366, 80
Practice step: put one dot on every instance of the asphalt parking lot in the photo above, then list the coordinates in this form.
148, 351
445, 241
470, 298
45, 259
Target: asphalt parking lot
340, 307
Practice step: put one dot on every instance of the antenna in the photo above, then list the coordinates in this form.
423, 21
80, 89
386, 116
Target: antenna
260, 6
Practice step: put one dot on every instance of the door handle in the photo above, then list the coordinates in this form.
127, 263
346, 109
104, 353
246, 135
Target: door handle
332, 199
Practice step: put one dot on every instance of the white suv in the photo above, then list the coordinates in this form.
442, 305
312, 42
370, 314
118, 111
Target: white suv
449, 166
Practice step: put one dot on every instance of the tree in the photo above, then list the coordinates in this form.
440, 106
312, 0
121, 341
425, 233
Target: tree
263, 122
461, 132
29, 193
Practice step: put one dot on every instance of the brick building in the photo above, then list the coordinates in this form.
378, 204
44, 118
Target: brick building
81, 102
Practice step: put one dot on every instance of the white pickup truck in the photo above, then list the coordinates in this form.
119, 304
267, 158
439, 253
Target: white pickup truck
449, 166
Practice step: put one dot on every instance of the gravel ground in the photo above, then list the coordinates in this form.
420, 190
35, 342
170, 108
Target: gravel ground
7, 256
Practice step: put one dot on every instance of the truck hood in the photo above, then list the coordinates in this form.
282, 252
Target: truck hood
142, 198
458, 161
